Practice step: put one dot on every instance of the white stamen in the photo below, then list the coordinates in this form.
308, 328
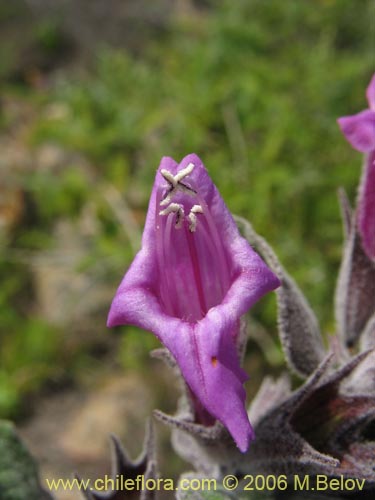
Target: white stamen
176, 184
178, 210
184, 172
196, 209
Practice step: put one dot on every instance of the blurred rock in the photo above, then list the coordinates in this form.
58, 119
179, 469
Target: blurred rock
64, 295
70, 432
118, 406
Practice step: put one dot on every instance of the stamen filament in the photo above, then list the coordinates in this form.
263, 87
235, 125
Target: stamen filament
223, 266
196, 270
160, 252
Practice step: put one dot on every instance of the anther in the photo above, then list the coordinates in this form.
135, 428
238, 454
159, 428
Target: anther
178, 210
196, 209
175, 183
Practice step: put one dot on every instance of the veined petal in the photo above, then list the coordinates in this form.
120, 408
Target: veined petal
190, 283
359, 130
366, 206
208, 360
205, 353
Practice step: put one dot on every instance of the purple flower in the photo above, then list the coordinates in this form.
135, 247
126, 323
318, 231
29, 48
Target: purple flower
359, 130
190, 283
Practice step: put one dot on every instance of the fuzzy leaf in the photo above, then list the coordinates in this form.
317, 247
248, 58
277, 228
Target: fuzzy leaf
122, 465
368, 335
18, 471
270, 394
213, 454
362, 379
346, 211
278, 448
219, 493
209, 449
338, 424
191, 494
165, 356
355, 291
298, 326
321, 428
204, 495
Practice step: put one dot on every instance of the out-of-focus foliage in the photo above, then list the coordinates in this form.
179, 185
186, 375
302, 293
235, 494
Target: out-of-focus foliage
18, 471
252, 87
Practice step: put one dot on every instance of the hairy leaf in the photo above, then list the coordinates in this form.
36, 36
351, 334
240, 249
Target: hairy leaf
355, 291
123, 466
18, 471
298, 326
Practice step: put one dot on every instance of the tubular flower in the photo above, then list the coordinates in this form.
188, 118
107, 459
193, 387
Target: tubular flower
359, 130
189, 284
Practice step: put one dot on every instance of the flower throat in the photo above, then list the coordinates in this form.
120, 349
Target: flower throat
193, 268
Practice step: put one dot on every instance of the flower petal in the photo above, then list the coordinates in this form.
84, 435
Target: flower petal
366, 206
209, 363
205, 353
359, 130
205, 349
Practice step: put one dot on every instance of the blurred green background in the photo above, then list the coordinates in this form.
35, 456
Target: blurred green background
93, 94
